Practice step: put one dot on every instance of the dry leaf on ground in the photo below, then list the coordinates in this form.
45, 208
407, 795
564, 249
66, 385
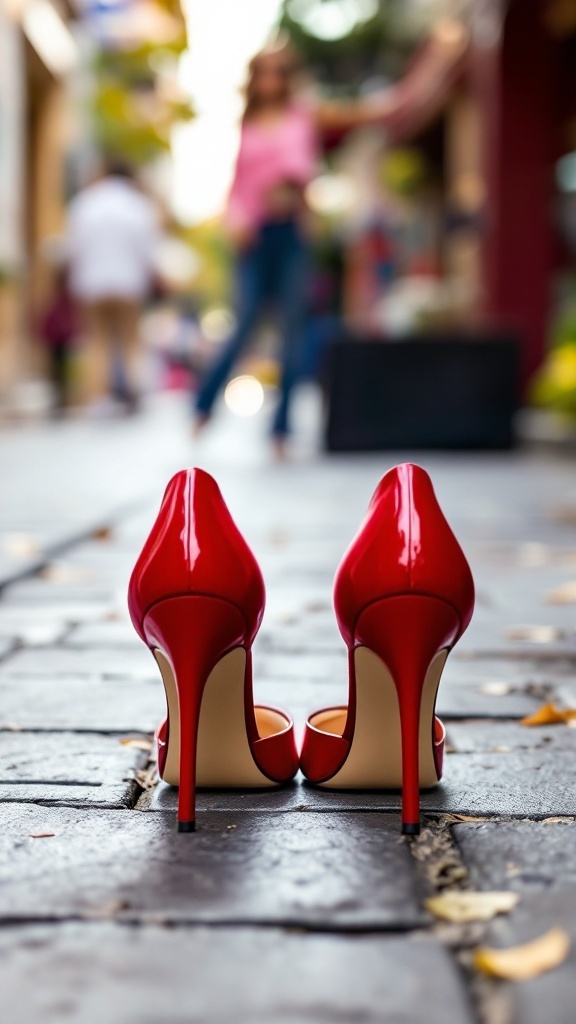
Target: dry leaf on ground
147, 778
566, 594
109, 910
462, 907
565, 514
42, 835
137, 743
495, 688
61, 572
467, 817
102, 533
549, 714
21, 545
534, 554
535, 634
519, 963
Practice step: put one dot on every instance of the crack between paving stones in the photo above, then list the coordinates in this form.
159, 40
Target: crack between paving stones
441, 867
52, 782
67, 544
76, 731
309, 927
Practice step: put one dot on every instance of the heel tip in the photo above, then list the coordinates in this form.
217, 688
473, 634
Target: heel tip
410, 830
186, 826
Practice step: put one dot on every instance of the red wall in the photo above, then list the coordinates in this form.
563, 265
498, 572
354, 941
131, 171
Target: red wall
516, 82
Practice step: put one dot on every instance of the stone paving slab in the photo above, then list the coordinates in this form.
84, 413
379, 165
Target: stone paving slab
307, 870
104, 558
460, 695
70, 769
101, 663
520, 783
28, 547
39, 591
111, 635
565, 689
6, 646
498, 687
493, 736
552, 996
18, 621
305, 683
111, 689
106, 972
526, 856
80, 703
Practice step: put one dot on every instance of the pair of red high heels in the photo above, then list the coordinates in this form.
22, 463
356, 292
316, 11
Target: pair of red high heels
403, 596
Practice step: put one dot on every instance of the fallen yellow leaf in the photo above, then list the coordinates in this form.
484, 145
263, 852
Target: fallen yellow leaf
137, 744
462, 907
60, 572
549, 714
535, 634
519, 963
566, 594
147, 778
20, 545
494, 688
102, 533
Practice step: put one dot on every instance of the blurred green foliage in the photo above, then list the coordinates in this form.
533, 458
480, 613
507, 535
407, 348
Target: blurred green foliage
210, 241
404, 171
379, 46
554, 386
133, 117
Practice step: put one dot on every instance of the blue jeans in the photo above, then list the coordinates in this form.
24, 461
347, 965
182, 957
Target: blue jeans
274, 267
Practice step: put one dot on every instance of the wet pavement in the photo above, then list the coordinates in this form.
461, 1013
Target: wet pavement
297, 904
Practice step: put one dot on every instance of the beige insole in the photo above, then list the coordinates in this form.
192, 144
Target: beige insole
375, 758
223, 757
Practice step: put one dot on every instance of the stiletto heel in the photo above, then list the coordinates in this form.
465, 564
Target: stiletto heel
403, 595
196, 598
407, 634
189, 636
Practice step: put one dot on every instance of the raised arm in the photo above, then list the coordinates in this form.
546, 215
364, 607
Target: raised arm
345, 115
438, 61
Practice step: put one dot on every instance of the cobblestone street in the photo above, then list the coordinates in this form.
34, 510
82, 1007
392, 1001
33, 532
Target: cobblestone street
297, 905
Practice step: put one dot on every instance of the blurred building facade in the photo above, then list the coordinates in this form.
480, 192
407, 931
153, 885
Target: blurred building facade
37, 54
524, 76
474, 161
78, 79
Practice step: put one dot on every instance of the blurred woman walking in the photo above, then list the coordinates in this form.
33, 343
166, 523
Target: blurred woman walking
266, 215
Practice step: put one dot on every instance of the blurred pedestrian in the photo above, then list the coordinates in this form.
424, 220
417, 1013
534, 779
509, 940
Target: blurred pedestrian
113, 234
267, 215
58, 329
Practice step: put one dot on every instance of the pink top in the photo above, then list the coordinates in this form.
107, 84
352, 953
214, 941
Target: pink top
269, 156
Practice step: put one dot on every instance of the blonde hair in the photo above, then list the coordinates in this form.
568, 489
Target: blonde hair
279, 46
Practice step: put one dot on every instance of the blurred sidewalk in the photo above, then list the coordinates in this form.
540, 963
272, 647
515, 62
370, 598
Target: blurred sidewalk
297, 905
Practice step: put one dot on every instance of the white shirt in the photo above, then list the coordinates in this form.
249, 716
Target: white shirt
112, 238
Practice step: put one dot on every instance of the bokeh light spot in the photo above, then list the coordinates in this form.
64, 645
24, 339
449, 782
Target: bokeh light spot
244, 396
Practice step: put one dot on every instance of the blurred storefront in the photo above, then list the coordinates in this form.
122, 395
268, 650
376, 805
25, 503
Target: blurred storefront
79, 79
524, 74
38, 52
465, 212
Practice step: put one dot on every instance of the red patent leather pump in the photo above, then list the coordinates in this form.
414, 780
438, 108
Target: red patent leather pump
403, 596
196, 598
